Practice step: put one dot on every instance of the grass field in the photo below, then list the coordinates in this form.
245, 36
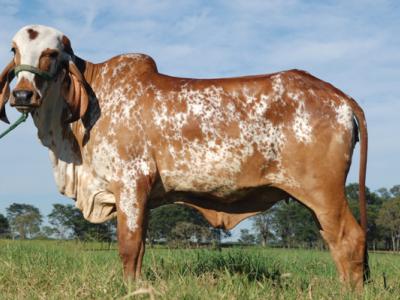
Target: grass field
72, 270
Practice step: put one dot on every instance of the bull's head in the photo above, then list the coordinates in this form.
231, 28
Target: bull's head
45, 71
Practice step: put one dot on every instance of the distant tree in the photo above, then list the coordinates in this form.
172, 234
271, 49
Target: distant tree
25, 220
352, 195
395, 191
185, 232
283, 223
389, 219
262, 226
384, 194
164, 219
4, 227
294, 225
174, 223
246, 237
104, 232
374, 203
62, 218
217, 234
68, 222
47, 232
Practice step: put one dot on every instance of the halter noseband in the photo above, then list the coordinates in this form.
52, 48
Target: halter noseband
45, 75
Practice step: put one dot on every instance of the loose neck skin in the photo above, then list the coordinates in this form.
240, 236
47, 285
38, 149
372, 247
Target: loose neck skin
63, 139
48, 116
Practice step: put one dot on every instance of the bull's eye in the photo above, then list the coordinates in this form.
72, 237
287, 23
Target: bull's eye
52, 55
13, 50
48, 59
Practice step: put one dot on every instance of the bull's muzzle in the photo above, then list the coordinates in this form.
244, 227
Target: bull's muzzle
22, 100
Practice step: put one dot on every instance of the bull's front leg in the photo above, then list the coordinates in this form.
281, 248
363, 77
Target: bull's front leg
132, 216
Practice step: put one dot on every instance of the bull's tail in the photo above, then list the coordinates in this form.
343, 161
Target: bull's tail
362, 126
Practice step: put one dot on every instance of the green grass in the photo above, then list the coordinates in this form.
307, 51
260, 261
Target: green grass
72, 270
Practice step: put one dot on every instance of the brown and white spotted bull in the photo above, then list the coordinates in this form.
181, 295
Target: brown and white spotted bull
124, 138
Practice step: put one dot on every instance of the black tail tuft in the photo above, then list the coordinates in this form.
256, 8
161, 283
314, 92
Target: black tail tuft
367, 272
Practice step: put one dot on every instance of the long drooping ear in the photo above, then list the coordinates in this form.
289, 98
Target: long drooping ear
5, 77
75, 93
75, 87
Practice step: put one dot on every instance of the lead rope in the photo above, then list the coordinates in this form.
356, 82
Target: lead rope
21, 119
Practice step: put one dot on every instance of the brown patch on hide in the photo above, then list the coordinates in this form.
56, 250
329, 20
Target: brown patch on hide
32, 34
24, 84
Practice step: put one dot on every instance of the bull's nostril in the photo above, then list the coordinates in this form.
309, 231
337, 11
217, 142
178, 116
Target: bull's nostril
22, 97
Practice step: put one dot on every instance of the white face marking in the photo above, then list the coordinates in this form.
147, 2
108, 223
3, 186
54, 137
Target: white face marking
30, 49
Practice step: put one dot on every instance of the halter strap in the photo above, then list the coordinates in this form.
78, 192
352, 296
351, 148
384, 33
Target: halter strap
21, 119
37, 71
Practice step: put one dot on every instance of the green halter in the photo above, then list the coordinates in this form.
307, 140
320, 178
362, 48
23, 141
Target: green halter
45, 75
21, 119
28, 68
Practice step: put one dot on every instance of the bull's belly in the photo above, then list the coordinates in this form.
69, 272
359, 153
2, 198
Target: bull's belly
220, 183
223, 178
222, 169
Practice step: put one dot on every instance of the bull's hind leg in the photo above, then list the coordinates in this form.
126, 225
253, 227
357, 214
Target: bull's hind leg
343, 234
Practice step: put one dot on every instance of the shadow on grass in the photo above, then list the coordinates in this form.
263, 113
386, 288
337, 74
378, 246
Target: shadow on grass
216, 264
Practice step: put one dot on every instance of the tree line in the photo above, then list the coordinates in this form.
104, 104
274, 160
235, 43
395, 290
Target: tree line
25, 221
172, 224
286, 224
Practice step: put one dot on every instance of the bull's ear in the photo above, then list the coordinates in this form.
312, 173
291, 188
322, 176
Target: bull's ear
5, 77
75, 93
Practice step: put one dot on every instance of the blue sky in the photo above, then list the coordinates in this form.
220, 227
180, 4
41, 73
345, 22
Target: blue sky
353, 44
